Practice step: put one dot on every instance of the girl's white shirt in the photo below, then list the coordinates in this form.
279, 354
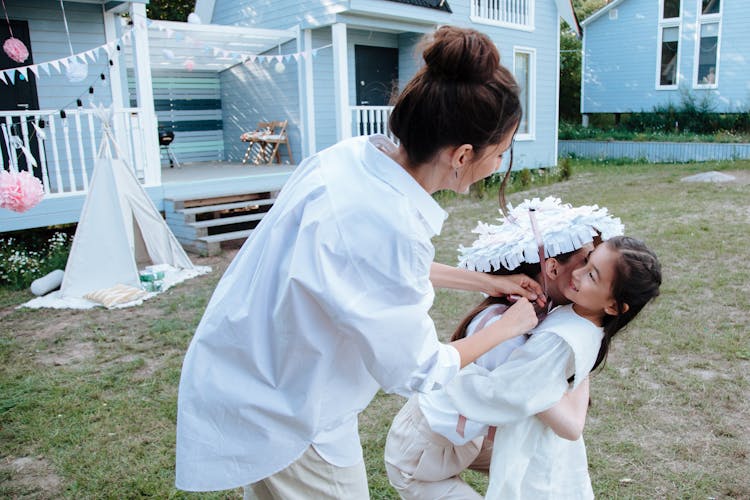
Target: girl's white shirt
326, 303
529, 460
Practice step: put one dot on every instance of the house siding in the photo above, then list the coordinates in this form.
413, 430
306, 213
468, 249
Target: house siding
256, 92
404, 34
620, 58
49, 42
276, 14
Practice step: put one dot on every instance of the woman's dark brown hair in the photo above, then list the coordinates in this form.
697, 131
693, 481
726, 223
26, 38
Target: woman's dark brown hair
462, 95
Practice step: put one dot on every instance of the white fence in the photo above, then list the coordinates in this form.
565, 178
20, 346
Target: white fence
655, 152
61, 146
368, 120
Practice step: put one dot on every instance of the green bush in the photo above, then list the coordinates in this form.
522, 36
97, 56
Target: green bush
693, 119
25, 258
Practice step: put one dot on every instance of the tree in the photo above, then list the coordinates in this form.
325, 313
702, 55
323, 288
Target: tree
570, 62
170, 10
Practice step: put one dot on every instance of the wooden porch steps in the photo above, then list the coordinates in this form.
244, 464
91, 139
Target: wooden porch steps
201, 225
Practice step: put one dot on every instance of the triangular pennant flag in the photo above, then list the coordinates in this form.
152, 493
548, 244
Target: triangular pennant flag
10, 75
91, 55
55, 64
65, 62
287, 57
253, 58
278, 58
6, 77
45, 67
34, 70
296, 56
81, 58
23, 73
108, 48
215, 51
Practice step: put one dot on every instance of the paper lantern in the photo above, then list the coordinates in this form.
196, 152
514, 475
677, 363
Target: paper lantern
77, 72
279, 67
19, 191
16, 50
189, 65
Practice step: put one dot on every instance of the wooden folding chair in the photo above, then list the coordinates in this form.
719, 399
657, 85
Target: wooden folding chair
265, 141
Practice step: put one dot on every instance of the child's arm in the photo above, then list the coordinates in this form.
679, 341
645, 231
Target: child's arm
568, 416
443, 276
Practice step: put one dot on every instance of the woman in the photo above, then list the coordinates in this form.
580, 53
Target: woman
328, 301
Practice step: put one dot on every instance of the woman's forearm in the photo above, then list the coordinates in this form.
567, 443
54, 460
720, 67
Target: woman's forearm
517, 320
444, 276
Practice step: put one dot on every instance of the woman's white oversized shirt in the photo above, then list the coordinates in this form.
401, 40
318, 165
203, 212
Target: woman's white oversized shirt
326, 303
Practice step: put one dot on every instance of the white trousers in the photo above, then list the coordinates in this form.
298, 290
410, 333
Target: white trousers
423, 464
310, 476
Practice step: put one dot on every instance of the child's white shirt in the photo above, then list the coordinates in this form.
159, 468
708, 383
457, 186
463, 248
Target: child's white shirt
532, 379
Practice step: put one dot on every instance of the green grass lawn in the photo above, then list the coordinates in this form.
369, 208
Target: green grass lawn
87, 398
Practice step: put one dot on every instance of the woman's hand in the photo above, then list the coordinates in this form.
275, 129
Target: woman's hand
515, 284
520, 317
516, 320
443, 276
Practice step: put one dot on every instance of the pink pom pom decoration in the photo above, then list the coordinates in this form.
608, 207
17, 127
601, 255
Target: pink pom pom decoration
189, 65
16, 50
19, 191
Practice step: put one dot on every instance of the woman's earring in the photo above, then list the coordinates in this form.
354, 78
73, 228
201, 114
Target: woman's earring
456, 173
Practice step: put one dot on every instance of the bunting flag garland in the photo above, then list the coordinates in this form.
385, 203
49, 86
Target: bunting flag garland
75, 66
64, 64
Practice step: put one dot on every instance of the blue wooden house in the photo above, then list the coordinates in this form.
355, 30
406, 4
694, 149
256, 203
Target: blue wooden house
638, 54
328, 68
363, 47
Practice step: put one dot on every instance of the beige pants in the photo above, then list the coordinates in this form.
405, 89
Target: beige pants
422, 464
312, 477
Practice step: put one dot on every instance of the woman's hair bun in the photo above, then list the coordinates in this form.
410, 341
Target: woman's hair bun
461, 55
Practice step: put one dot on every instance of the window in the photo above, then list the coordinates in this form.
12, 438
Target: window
707, 48
669, 44
525, 74
517, 14
710, 6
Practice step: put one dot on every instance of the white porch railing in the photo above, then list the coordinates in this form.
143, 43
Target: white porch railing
512, 12
367, 120
60, 147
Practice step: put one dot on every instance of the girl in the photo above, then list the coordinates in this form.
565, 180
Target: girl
429, 443
329, 300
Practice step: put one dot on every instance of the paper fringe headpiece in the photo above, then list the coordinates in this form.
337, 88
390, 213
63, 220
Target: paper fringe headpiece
563, 228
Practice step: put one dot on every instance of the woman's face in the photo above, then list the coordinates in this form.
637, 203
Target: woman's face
590, 286
487, 163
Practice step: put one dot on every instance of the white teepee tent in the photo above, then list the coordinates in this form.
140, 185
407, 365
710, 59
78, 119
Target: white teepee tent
119, 230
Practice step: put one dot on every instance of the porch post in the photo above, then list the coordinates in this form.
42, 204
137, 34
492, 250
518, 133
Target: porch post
341, 81
307, 95
112, 31
145, 94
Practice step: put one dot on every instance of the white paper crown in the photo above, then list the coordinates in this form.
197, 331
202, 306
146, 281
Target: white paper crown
563, 228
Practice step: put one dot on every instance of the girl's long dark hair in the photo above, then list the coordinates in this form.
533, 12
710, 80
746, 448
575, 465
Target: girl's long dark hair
637, 281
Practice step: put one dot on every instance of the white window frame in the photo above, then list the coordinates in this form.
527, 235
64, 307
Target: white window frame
668, 23
530, 110
477, 15
700, 21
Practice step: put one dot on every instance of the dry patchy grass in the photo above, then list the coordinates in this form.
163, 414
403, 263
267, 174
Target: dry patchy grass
87, 398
